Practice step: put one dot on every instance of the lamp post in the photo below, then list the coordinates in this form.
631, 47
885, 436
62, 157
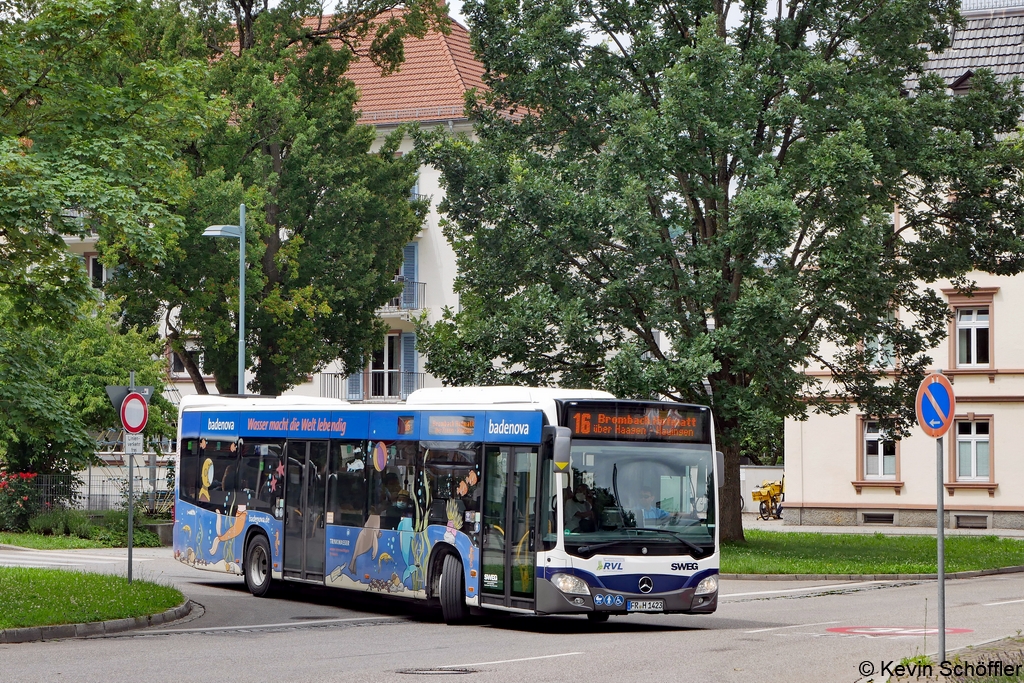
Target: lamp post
237, 232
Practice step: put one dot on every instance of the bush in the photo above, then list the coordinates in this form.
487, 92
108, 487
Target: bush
18, 499
61, 522
114, 532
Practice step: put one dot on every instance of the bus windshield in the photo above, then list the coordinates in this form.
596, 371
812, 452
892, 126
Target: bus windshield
633, 497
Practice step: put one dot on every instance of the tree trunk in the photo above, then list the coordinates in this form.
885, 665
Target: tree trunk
194, 373
731, 517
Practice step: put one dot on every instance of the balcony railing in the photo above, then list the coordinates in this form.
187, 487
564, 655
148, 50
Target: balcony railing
411, 298
382, 386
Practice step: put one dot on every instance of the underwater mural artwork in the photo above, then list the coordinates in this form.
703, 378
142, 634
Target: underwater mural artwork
224, 553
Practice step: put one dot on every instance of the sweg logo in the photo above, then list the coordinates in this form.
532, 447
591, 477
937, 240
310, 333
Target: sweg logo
605, 565
508, 427
684, 566
219, 424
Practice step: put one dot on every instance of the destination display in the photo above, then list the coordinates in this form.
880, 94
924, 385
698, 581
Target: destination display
639, 422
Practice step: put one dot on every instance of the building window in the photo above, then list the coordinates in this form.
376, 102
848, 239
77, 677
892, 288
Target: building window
972, 336
879, 453
97, 273
972, 451
971, 329
879, 351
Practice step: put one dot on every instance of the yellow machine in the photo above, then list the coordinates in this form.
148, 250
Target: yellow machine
769, 496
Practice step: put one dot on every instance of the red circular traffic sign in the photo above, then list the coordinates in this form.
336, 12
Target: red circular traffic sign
936, 404
134, 413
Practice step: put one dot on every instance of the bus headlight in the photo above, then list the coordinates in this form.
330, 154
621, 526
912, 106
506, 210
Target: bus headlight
573, 585
708, 585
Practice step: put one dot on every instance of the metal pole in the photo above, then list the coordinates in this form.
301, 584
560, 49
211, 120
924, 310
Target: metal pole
940, 536
241, 300
131, 489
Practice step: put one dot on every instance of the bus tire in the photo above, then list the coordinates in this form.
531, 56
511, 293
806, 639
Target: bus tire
453, 591
257, 565
597, 617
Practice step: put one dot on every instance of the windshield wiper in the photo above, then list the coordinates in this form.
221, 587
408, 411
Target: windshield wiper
692, 546
597, 546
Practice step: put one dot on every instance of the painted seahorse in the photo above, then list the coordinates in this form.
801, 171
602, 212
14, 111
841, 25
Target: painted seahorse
207, 475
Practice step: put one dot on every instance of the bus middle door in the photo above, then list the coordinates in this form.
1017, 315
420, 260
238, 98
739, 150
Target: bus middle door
508, 557
305, 496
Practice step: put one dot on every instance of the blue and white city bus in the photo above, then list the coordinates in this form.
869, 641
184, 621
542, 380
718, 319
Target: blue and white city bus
540, 501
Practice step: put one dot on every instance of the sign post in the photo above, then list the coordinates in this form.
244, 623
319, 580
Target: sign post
134, 412
936, 406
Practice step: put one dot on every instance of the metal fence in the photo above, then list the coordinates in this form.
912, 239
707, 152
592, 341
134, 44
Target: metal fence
371, 386
104, 488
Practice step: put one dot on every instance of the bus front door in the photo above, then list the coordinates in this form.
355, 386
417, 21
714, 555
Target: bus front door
305, 496
508, 544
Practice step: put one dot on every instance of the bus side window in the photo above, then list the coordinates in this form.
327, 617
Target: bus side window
188, 470
387, 485
259, 484
346, 489
218, 474
453, 473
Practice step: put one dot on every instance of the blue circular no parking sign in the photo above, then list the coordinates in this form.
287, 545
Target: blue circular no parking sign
935, 404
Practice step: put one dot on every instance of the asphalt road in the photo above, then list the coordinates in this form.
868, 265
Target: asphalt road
763, 630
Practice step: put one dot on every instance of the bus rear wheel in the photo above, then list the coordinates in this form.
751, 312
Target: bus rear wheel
453, 591
257, 566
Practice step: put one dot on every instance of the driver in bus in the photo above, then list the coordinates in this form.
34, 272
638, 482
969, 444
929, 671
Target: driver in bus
579, 511
650, 509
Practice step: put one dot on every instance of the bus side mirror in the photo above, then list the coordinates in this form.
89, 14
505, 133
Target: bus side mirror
561, 445
720, 467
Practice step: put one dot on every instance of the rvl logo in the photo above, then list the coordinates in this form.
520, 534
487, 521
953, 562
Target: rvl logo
609, 566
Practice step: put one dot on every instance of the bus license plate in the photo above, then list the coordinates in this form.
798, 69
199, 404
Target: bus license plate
645, 605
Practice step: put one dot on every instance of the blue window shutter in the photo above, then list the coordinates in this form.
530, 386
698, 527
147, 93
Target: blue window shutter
355, 387
409, 273
408, 363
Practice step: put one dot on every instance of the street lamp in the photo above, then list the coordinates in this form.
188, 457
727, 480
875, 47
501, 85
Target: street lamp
237, 232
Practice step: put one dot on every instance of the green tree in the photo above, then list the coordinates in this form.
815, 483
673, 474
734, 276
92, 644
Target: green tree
327, 219
88, 135
670, 200
53, 387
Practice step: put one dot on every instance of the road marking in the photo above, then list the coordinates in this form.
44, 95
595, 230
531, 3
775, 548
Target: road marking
809, 588
43, 563
778, 628
249, 627
1007, 602
82, 559
508, 661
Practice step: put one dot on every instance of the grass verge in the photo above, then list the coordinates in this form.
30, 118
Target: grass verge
47, 597
41, 542
770, 552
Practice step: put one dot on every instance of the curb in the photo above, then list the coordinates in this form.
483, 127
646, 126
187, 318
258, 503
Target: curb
93, 628
1017, 569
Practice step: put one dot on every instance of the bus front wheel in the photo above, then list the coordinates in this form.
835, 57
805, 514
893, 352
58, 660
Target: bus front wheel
257, 566
453, 591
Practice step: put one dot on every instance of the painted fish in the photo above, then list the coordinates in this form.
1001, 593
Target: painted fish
384, 557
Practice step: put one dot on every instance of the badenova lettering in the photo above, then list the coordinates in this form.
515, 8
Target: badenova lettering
220, 425
507, 427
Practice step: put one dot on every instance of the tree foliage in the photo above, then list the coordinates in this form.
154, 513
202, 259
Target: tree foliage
667, 199
326, 220
53, 387
88, 135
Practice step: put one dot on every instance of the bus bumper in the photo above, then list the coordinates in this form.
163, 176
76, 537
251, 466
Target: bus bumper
550, 600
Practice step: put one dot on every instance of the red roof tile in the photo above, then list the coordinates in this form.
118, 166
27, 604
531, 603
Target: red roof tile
430, 85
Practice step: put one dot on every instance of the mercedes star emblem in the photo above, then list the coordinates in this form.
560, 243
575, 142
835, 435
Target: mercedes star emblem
646, 585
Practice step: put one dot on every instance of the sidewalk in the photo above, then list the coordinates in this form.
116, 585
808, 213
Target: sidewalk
751, 521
